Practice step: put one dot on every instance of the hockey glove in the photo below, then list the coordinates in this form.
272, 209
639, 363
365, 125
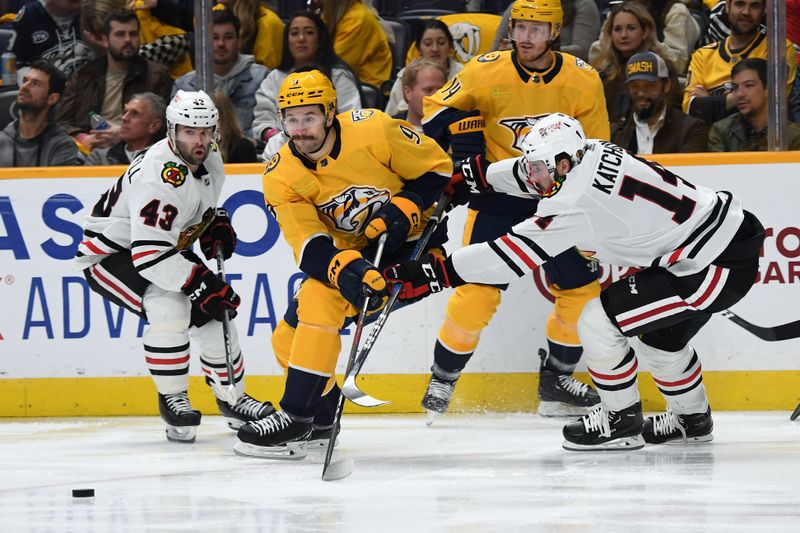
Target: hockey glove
467, 135
356, 278
210, 294
219, 235
469, 178
420, 278
397, 219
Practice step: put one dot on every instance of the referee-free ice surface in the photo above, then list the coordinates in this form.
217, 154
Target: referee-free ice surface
467, 473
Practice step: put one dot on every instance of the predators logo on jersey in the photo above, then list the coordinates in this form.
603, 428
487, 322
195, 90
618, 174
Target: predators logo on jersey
519, 127
354, 207
174, 174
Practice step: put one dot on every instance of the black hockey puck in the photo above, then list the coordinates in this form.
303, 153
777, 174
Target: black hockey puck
82, 493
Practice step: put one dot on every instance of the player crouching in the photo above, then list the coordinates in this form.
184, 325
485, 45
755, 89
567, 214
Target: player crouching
699, 252
136, 253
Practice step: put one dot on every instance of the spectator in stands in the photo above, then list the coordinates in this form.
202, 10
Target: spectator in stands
50, 30
358, 39
628, 30
793, 34
581, 27
422, 77
237, 75
261, 30
159, 41
708, 93
143, 123
33, 140
676, 29
746, 130
105, 84
235, 147
306, 42
653, 126
435, 42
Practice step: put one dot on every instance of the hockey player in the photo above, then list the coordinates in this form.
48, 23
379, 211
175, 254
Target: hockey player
483, 114
337, 185
132, 255
699, 252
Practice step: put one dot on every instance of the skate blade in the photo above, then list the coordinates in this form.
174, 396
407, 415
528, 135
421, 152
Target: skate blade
635, 442
560, 409
338, 469
233, 423
432, 417
291, 451
689, 440
182, 434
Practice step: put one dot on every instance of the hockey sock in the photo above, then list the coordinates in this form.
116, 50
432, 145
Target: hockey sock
302, 393
561, 359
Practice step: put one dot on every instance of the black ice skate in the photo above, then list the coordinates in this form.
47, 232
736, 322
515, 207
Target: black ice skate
181, 419
320, 437
247, 409
668, 428
440, 389
562, 394
604, 430
278, 436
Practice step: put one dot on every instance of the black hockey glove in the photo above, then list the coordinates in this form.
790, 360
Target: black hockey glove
397, 219
210, 294
219, 235
420, 278
469, 178
467, 135
356, 278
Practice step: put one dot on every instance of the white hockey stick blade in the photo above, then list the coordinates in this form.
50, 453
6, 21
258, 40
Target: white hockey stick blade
338, 469
226, 393
357, 396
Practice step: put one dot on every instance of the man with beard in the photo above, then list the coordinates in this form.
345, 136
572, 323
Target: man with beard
105, 84
143, 124
33, 140
136, 252
652, 126
236, 75
746, 130
708, 95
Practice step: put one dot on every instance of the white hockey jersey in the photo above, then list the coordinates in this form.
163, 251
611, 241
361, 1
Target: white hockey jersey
613, 206
145, 212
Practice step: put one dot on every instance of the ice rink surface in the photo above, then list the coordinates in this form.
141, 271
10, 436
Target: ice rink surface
466, 474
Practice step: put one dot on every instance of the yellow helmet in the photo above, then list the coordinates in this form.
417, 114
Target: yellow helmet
311, 87
538, 11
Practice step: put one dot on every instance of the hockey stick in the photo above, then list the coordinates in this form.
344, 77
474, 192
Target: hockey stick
349, 387
344, 467
796, 413
229, 393
781, 332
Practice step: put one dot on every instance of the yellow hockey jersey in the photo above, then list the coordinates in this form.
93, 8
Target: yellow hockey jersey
711, 65
510, 98
374, 157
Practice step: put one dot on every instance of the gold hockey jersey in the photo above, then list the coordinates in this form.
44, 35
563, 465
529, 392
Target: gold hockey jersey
510, 98
374, 157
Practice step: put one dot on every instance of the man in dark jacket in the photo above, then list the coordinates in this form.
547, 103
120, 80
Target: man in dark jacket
33, 140
143, 123
105, 84
652, 126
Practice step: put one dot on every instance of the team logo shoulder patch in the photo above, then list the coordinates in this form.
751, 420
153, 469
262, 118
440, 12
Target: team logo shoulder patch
558, 182
273, 163
489, 57
174, 174
357, 115
353, 207
581, 64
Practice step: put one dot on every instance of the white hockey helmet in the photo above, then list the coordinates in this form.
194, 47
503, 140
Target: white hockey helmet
191, 108
552, 136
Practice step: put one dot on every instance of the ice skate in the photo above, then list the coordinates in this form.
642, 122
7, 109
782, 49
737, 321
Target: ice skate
181, 419
278, 436
669, 428
605, 430
440, 389
320, 437
562, 394
247, 409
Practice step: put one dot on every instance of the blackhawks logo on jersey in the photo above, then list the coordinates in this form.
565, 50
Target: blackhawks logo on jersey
174, 174
520, 126
352, 208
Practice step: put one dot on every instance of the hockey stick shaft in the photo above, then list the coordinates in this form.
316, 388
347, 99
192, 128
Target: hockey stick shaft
231, 396
337, 420
350, 389
782, 332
